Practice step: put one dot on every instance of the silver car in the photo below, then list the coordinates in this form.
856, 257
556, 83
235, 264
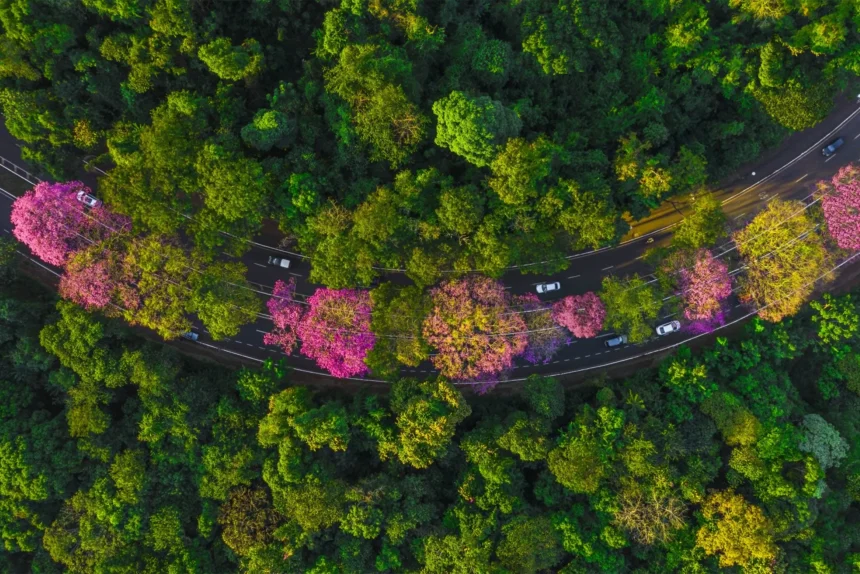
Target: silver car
616, 341
669, 327
547, 287
279, 262
87, 199
190, 336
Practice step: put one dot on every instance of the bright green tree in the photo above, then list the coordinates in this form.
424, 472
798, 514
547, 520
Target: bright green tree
396, 322
473, 127
519, 169
230, 62
702, 227
427, 414
631, 304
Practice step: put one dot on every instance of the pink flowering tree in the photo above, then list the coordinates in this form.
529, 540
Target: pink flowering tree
544, 337
88, 283
335, 331
704, 285
471, 325
286, 314
841, 206
582, 315
53, 224
700, 326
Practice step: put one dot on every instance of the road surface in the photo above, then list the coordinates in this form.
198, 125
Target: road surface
788, 173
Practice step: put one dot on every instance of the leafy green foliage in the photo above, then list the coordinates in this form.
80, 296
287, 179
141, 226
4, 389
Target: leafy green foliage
782, 269
703, 226
823, 441
519, 169
560, 116
838, 319
631, 305
427, 414
397, 316
268, 128
230, 62
116, 451
474, 127
8, 260
736, 530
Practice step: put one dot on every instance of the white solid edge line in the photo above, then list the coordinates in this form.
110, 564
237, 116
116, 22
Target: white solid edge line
594, 251
37, 263
520, 379
796, 159
291, 367
725, 201
623, 243
661, 349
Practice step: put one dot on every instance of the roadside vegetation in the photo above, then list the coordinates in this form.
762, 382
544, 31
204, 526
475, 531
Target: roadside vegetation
122, 455
468, 327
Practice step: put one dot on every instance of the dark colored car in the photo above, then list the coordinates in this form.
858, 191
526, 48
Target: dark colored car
831, 149
615, 341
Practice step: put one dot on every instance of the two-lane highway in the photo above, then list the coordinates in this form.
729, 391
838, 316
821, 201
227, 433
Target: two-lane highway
790, 173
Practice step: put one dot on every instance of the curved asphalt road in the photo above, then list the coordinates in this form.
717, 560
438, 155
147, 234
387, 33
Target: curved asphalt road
790, 173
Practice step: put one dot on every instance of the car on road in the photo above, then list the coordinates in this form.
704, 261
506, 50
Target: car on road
88, 199
831, 148
616, 341
279, 262
547, 287
190, 336
669, 327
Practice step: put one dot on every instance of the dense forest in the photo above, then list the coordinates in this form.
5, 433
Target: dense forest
436, 138
120, 455
417, 135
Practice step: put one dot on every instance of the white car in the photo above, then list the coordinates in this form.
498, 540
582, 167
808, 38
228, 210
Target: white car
88, 199
190, 335
279, 262
669, 327
547, 287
